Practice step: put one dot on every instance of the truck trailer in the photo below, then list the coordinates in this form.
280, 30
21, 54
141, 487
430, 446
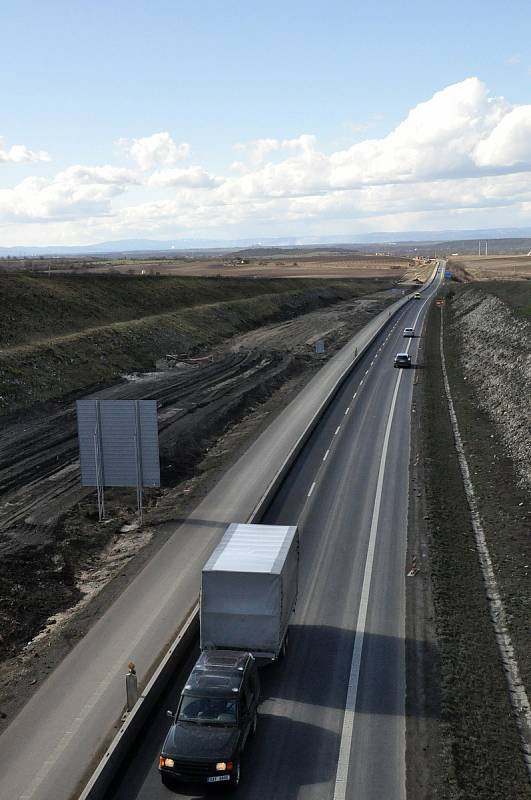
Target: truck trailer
249, 590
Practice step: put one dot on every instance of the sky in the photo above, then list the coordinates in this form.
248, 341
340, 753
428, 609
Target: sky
224, 120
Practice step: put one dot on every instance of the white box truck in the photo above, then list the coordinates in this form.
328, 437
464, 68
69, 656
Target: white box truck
249, 590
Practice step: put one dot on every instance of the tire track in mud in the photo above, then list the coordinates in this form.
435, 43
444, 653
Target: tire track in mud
49, 532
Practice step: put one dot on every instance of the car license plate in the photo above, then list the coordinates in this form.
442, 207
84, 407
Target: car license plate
218, 778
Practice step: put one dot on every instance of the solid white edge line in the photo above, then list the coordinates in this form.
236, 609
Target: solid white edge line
415, 323
312, 487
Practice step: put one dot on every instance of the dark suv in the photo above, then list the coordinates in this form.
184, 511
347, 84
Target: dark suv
402, 360
217, 712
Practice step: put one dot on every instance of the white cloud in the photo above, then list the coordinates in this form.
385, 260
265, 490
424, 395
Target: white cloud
158, 150
19, 154
73, 193
257, 150
79, 175
509, 143
189, 177
461, 152
359, 127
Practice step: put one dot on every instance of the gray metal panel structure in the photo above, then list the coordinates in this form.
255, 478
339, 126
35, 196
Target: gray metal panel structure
113, 428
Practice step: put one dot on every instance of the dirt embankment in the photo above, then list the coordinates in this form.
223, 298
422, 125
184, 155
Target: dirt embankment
74, 333
56, 560
478, 749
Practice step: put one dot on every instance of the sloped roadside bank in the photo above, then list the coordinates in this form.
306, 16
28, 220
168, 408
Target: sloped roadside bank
478, 752
63, 357
82, 530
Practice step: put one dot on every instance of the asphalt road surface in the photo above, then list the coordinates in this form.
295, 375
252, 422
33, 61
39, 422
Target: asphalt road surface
332, 717
68, 720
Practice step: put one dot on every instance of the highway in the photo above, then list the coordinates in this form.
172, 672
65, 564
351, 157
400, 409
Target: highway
332, 717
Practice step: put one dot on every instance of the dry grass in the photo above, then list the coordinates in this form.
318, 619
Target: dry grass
292, 266
489, 268
71, 333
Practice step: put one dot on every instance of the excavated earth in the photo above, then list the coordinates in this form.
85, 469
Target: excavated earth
60, 568
463, 741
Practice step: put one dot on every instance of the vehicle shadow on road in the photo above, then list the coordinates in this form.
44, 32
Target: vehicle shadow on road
317, 666
286, 756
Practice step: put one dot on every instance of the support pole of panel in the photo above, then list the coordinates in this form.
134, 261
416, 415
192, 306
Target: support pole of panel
138, 446
100, 490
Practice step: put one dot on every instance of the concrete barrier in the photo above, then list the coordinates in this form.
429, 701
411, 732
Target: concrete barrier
126, 736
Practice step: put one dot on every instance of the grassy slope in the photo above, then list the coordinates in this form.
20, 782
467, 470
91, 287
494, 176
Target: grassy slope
37, 306
65, 334
479, 732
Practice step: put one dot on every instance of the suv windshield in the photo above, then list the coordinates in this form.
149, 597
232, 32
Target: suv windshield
208, 710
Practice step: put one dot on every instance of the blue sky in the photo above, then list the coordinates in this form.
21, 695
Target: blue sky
77, 77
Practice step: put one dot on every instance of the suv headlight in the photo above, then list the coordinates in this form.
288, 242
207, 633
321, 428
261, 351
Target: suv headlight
221, 766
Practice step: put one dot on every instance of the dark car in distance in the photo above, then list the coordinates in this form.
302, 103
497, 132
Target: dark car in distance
402, 360
217, 713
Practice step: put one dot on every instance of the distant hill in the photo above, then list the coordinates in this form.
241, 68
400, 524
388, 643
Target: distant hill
390, 241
